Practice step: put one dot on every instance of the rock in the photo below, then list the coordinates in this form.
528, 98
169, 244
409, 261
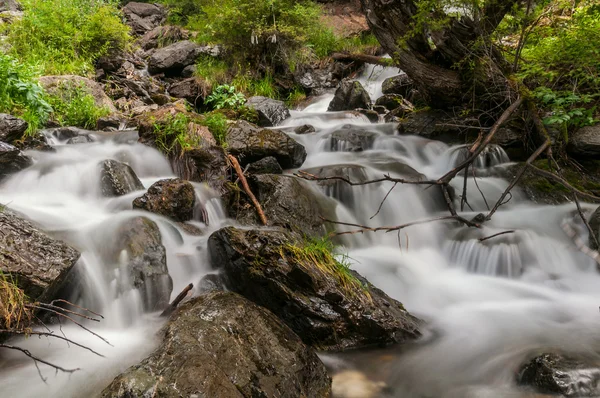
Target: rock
210, 283
54, 84
173, 198
426, 123
585, 142
330, 309
146, 261
117, 178
162, 36
81, 139
173, 58
266, 165
12, 160
396, 115
287, 202
351, 138
9, 5
65, 133
338, 189
400, 85
390, 101
594, 222
193, 89
370, 114
381, 110
317, 80
560, 374
305, 129
350, 95
38, 263
143, 17
270, 112
221, 345
108, 123
189, 71
11, 128
207, 164
250, 143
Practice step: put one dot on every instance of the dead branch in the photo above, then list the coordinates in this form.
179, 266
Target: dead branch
383, 201
365, 228
580, 244
495, 235
564, 183
171, 307
56, 308
386, 177
36, 359
487, 206
240, 173
362, 58
76, 306
48, 334
585, 221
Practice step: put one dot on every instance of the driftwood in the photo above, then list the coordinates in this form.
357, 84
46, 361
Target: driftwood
363, 58
171, 307
240, 173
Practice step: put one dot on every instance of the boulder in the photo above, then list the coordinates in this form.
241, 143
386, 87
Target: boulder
390, 101
193, 89
305, 129
37, 263
561, 374
585, 142
145, 261
287, 202
328, 305
189, 71
270, 112
221, 345
173, 198
173, 58
400, 85
109, 123
11, 128
210, 283
266, 165
203, 164
9, 5
426, 123
143, 17
351, 138
162, 36
54, 84
81, 139
12, 160
65, 133
117, 178
396, 115
250, 143
350, 95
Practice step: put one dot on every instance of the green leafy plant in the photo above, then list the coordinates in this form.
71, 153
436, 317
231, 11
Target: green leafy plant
217, 124
73, 106
225, 96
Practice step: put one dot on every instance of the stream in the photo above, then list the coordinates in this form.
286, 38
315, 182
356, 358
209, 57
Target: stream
488, 305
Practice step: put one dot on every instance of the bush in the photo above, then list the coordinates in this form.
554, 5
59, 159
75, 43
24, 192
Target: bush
225, 96
73, 106
67, 36
217, 124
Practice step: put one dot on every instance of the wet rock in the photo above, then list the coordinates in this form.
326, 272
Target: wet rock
370, 114
328, 308
210, 283
270, 112
65, 133
173, 58
561, 374
381, 110
80, 139
206, 164
35, 142
108, 123
319, 79
338, 189
305, 129
266, 165
117, 178
173, 198
38, 263
193, 89
222, 345
145, 261
390, 101
162, 36
287, 201
10, 5
426, 123
250, 143
11, 128
351, 138
399, 85
189, 71
143, 17
12, 160
396, 115
54, 85
350, 95
585, 142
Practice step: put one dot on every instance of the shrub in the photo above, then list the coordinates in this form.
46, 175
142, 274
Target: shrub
74, 106
225, 96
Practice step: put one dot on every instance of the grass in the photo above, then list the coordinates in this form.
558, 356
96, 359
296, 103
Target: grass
214, 71
217, 124
14, 315
74, 106
295, 97
173, 132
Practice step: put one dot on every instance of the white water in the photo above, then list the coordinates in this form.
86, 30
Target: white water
488, 305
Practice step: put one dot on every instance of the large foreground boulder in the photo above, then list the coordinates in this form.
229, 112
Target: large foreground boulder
564, 375
250, 143
173, 198
270, 112
11, 160
173, 58
349, 96
220, 345
117, 178
328, 305
11, 128
36, 262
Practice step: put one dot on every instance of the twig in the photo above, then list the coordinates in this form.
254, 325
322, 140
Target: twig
240, 173
493, 236
365, 228
53, 307
487, 206
563, 182
580, 244
36, 359
383, 201
171, 307
311, 177
49, 334
76, 306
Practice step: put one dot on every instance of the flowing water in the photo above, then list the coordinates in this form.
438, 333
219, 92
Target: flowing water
488, 305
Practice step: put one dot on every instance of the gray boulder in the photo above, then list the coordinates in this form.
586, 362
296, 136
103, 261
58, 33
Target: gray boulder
350, 138
38, 263
11, 128
329, 306
270, 112
349, 96
390, 101
585, 142
400, 85
143, 17
305, 129
173, 58
12, 160
117, 178
10, 5
222, 345
81, 139
250, 143
173, 198
266, 165
193, 89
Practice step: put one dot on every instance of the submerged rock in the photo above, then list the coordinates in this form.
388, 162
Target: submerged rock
222, 345
173, 58
350, 95
270, 112
305, 129
117, 178
250, 143
331, 309
11, 128
81, 139
38, 263
173, 198
350, 138
12, 160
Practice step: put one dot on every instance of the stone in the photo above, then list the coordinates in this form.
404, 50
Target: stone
109, 123
12, 160
189, 71
65, 133
173, 198
270, 112
399, 85
396, 115
54, 84
221, 345
38, 263
117, 178
329, 309
193, 89
10, 5
80, 139
173, 58
210, 283
336, 188
250, 143
143, 17
585, 142
162, 36
370, 114
12, 128
305, 129
349, 96
351, 138
390, 101
266, 165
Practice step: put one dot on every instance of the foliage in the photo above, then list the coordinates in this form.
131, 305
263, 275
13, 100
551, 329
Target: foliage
295, 97
67, 36
213, 70
20, 94
225, 96
73, 106
217, 124
172, 132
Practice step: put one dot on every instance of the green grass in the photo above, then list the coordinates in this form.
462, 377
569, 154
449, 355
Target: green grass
74, 106
295, 97
213, 70
14, 315
217, 124
173, 133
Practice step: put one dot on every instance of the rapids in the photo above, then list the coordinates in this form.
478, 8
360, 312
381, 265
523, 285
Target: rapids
488, 305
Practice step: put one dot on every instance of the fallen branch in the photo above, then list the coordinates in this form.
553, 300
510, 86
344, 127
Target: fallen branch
240, 173
171, 307
365, 228
585, 221
36, 360
495, 235
311, 177
49, 334
363, 58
